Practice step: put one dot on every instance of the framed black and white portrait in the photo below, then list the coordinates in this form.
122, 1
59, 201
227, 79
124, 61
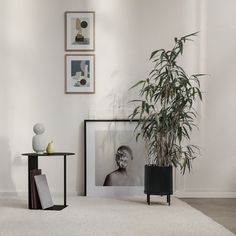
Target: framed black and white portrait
114, 160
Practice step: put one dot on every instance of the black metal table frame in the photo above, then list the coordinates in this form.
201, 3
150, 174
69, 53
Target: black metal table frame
33, 164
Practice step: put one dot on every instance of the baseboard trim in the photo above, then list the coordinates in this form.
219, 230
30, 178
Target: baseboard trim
178, 194
11, 194
25, 194
181, 194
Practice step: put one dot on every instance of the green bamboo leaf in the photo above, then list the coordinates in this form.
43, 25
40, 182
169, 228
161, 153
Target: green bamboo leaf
137, 136
199, 93
198, 75
155, 52
192, 34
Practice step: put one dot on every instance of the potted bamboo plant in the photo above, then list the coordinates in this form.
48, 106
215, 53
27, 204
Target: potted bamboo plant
166, 117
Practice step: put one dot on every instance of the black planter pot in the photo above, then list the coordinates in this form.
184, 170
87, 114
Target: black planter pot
158, 181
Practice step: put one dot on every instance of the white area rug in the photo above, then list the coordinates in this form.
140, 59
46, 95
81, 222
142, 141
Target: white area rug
88, 216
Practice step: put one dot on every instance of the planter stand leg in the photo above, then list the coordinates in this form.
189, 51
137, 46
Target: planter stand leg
148, 199
168, 199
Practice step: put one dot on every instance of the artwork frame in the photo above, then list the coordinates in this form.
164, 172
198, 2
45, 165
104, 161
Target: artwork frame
79, 73
79, 30
107, 137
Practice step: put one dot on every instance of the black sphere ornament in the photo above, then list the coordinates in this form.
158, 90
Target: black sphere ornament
83, 82
84, 24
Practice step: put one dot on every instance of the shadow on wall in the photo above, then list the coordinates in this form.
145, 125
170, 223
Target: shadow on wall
6, 182
80, 160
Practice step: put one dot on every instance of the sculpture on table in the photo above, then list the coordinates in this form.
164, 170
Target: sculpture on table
39, 140
50, 148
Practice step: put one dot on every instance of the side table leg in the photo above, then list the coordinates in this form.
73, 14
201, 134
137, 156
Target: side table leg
32, 164
65, 180
168, 199
148, 199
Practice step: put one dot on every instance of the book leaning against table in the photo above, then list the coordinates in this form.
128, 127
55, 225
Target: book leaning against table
43, 191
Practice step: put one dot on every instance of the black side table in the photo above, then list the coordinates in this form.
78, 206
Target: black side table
33, 164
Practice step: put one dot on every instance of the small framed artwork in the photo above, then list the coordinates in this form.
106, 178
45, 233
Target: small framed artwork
79, 73
80, 31
114, 160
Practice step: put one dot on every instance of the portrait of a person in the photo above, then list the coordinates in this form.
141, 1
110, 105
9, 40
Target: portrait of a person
121, 176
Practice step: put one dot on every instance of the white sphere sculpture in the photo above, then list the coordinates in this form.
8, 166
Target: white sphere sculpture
39, 141
39, 128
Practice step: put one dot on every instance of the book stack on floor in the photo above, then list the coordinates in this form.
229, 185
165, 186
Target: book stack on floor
40, 194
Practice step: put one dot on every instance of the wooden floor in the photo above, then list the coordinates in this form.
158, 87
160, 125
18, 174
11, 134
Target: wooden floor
221, 210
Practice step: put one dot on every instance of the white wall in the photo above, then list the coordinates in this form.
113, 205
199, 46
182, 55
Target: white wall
32, 81
214, 173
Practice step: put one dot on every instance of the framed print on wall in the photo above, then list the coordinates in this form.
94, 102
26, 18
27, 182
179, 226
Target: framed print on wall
114, 160
80, 31
79, 73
